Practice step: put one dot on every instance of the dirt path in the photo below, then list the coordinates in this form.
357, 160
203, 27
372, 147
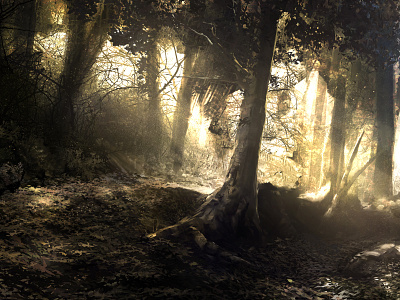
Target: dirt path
79, 240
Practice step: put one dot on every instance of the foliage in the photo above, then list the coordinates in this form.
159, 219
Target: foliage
376, 39
86, 165
29, 93
204, 161
139, 23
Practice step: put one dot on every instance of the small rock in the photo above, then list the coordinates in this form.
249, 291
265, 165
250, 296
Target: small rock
367, 262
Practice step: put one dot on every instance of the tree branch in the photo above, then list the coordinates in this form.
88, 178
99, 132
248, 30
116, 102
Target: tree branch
172, 77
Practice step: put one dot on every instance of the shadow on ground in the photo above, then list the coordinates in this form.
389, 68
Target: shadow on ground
86, 240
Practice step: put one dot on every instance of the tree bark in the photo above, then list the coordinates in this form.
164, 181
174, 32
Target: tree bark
182, 111
154, 114
383, 186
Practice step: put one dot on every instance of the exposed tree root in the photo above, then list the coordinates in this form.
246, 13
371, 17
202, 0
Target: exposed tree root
221, 218
187, 231
212, 219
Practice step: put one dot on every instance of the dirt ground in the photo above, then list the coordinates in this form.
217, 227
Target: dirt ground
87, 240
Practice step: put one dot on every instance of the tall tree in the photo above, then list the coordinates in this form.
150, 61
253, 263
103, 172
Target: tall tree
233, 208
237, 200
154, 113
86, 38
182, 111
18, 61
338, 122
138, 28
318, 134
383, 184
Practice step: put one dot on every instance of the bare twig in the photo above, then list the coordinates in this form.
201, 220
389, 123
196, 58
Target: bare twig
343, 191
172, 77
350, 164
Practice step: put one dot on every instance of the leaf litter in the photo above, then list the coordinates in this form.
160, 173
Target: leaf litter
86, 240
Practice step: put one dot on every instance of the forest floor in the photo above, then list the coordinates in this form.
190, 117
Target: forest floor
72, 239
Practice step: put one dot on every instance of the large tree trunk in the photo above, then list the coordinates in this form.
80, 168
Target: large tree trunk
64, 117
383, 186
154, 115
182, 111
234, 208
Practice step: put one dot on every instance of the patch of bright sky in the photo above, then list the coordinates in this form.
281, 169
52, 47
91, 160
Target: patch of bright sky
119, 66
53, 49
171, 72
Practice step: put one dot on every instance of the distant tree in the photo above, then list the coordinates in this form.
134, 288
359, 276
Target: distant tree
86, 37
338, 129
377, 42
383, 183
318, 134
182, 111
154, 113
387, 53
138, 29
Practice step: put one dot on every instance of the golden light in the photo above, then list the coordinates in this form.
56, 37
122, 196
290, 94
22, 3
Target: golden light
198, 126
